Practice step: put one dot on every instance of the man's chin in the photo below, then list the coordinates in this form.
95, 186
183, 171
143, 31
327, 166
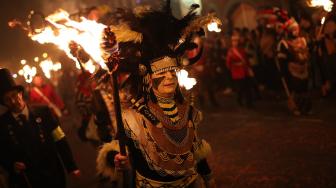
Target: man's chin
170, 92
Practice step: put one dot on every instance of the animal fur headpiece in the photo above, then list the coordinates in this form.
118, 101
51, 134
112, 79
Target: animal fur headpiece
155, 38
152, 41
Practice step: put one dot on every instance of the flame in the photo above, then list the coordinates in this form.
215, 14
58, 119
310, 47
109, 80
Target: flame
184, 80
45, 55
214, 27
36, 59
28, 73
48, 65
323, 20
90, 66
86, 33
326, 4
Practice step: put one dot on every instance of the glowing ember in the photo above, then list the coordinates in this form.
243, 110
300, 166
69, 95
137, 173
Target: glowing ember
184, 80
214, 27
86, 33
36, 59
48, 65
20, 72
23, 62
44, 55
326, 4
28, 73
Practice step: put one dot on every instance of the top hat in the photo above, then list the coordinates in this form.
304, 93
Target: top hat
7, 83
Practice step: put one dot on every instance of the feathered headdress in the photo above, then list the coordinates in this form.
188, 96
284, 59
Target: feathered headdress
151, 41
155, 34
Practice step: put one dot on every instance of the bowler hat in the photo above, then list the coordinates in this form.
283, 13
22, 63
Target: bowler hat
7, 83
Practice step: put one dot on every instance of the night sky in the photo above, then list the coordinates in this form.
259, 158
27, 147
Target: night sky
14, 42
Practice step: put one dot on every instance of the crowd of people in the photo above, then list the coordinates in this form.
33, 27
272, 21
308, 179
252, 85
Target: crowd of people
287, 57
283, 57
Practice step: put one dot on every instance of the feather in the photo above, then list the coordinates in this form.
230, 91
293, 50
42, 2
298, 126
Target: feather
202, 150
198, 23
124, 33
103, 167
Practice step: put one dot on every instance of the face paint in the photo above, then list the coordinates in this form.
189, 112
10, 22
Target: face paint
164, 84
157, 81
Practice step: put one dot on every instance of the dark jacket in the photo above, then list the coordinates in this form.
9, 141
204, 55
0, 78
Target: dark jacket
40, 144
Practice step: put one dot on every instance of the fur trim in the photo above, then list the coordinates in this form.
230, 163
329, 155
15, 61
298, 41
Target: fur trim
203, 150
91, 131
198, 23
139, 11
103, 168
124, 33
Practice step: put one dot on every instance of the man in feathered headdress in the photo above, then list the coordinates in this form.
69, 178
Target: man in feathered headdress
164, 148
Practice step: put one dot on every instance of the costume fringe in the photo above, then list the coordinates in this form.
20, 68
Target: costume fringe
124, 33
103, 168
139, 11
203, 150
91, 131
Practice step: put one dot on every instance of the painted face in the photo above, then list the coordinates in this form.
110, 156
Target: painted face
164, 84
14, 101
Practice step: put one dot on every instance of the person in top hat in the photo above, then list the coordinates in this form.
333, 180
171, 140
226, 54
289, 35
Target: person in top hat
34, 146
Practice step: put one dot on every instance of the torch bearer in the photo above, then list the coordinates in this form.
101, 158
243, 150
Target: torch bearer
327, 7
112, 64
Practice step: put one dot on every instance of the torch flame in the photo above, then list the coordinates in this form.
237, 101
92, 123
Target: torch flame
86, 33
90, 66
214, 27
184, 80
326, 4
323, 20
48, 65
28, 73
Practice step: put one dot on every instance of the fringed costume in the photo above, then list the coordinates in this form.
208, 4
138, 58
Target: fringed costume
164, 147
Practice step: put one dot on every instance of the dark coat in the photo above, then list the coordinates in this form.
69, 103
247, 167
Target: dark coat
35, 144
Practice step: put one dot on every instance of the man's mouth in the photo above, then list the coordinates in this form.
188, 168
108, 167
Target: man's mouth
169, 85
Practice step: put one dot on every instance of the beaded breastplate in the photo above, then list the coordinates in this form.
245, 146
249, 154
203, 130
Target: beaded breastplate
167, 147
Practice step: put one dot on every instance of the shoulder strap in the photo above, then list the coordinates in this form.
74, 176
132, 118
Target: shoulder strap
238, 54
50, 104
38, 91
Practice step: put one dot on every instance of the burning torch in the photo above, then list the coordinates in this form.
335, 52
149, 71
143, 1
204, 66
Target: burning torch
327, 7
60, 30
